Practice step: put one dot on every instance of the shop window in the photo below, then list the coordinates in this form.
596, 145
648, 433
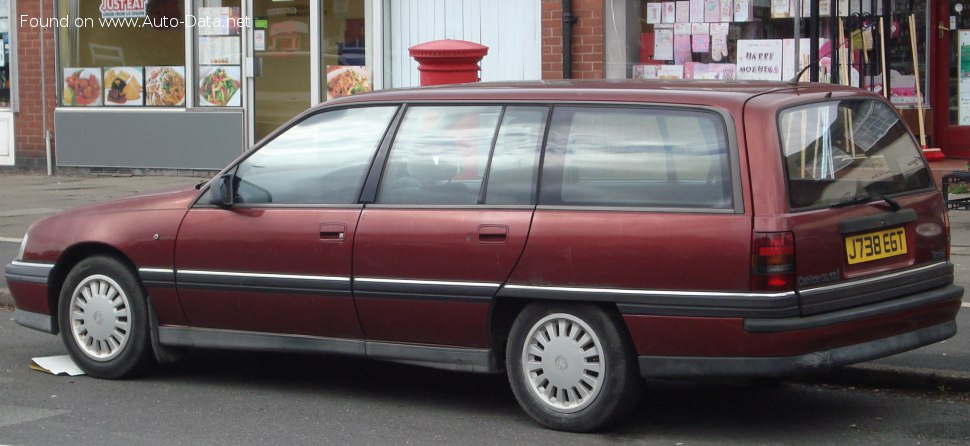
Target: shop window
344, 48
218, 49
756, 39
6, 73
124, 56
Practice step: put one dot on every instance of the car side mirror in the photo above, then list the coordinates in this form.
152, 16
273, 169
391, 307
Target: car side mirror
221, 192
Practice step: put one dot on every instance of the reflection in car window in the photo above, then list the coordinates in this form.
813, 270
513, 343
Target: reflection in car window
515, 158
642, 157
321, 160
840, 151
439, 155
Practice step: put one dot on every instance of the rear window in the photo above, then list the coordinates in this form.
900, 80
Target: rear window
845, 151
637, 157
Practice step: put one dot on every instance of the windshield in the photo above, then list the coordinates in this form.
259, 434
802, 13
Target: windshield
845, 151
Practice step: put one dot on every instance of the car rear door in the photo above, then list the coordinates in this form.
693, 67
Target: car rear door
448, 223
867, 220
278, 259
642, 206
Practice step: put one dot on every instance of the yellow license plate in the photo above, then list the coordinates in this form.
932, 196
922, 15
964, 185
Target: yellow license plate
875, 245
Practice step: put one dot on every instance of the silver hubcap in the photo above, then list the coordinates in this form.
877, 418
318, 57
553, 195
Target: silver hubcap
563, 362
99, 317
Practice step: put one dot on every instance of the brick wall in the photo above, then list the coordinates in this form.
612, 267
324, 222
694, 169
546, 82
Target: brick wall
30, 149
587, 42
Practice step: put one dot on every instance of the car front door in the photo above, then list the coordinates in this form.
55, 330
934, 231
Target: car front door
449, 221
278, 258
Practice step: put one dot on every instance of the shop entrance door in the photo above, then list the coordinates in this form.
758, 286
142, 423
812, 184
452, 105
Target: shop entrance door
282, 44
951, 81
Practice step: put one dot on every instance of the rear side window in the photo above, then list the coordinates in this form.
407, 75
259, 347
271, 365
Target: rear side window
637, 157
844, 151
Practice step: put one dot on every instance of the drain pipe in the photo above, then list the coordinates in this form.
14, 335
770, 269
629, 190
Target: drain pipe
568, 19
43, 92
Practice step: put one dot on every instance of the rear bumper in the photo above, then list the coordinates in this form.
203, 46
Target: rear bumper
671, 347
28, 286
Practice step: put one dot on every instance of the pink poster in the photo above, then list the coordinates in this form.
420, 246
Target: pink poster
683, 12
727, 11
696, 11
712, 10
701, 43
682, 49
669, 12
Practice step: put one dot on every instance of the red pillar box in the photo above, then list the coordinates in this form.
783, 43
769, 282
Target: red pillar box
448, 61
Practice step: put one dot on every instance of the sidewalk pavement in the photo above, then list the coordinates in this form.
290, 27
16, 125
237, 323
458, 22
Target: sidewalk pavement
943, 366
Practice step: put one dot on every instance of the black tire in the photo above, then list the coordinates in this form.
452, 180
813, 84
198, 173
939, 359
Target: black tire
105, 345
608, 373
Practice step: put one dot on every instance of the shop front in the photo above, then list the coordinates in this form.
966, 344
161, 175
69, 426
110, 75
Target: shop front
926, 70
191, 84
7, 79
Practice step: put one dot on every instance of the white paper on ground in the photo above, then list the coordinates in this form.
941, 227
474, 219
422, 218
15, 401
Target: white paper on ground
57, 365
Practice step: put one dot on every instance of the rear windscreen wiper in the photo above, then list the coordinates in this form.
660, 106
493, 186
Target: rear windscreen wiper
867, 198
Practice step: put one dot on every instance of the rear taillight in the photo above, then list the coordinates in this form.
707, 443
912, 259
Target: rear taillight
773, 261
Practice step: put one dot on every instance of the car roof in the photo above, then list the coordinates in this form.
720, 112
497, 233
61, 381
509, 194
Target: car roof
694, 92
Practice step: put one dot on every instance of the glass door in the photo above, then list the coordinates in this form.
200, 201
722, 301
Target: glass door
951, 89
282, 44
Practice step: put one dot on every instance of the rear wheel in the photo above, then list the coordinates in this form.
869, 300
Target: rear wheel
103, 318
572, 366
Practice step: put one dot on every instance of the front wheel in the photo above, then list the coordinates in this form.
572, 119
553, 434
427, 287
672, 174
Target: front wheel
103, 318
572, 367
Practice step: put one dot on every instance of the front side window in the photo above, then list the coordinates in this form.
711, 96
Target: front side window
321, 160
842, 151
637, 157
439, 156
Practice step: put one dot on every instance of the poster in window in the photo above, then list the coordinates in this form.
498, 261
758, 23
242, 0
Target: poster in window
165, 86
217, 21
663, 46
696, 11
347, 80
123, 86
219, 50
670, 71
712, 11
82, 87
669, 12
219, 86
760, 59
963, 39
654, 13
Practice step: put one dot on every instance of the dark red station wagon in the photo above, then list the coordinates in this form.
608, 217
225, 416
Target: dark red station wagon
579, 236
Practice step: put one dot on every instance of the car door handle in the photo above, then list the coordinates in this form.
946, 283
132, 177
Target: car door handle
333, 232
493, 233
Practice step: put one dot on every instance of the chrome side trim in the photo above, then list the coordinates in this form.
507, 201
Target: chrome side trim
28, 272
636, 292
868, 280
32, 264
668, 302
427, 282
262, 275
156, 270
